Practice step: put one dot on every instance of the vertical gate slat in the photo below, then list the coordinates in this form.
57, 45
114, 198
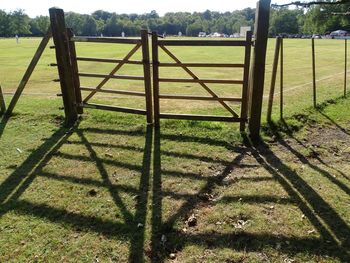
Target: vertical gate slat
244, 110
61, 40
147, 74
76, 80
155, 61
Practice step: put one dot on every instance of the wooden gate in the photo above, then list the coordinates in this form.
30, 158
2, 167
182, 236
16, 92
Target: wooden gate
146, 78
164, 44
67, 63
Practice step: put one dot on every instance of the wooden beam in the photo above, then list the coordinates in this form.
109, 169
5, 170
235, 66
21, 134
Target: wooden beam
109, 60
314, 87
111, 91
245, 89
199, 117
155, 60
76, 79
273, 78
107, 40
147, 75
202, 65
192, 97
215, 81
104, 76
28, 72
258, 67
214, 43
113, 108
282, 81
345, 67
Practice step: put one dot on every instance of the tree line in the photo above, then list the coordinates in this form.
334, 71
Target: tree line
317, 19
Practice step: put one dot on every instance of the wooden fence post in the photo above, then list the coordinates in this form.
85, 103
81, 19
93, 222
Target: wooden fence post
2, 103
155, 61
281, 82
61, 40
258, 67
273, 78
314, 72
74, 64
147, 74
346, 67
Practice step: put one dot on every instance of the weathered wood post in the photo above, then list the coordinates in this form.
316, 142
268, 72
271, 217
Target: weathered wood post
282, 82
258, 67
273, 78
314, 88
147, 74
61, 41
76, 79
345, 67
245, 95
155, 61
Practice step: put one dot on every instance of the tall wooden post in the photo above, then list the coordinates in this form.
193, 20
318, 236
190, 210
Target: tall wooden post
345, 67
258, 67
155, 60
76, 80
314, 88
282, 82
147, 74
61, 41
245, 95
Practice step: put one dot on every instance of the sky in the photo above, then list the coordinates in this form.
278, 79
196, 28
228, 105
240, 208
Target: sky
40, 7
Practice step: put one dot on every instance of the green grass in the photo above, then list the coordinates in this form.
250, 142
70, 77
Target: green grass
298, 86
109, 189
81, 194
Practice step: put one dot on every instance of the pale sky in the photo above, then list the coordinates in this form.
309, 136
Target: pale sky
40, 7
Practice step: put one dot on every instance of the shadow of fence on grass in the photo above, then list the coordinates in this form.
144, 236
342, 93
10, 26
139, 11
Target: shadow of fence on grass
150, 193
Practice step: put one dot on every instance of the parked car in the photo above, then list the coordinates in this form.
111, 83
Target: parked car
338, 33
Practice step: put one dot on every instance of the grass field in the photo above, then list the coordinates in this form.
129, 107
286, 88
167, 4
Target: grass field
112, 189
298, 86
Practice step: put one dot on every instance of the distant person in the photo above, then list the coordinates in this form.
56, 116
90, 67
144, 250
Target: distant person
164, 35
180, 34
101, 35
17, 39
123, 34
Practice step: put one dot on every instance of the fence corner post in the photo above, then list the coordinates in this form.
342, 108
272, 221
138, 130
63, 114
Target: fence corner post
65, 69
258, 67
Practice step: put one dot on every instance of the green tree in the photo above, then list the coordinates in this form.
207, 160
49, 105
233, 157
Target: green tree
19, 23
5, 24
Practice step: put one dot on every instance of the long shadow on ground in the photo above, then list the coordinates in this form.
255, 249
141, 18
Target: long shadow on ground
333, 229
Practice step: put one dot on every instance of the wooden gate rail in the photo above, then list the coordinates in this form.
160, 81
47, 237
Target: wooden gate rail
108, 60
146, 78
156, 44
